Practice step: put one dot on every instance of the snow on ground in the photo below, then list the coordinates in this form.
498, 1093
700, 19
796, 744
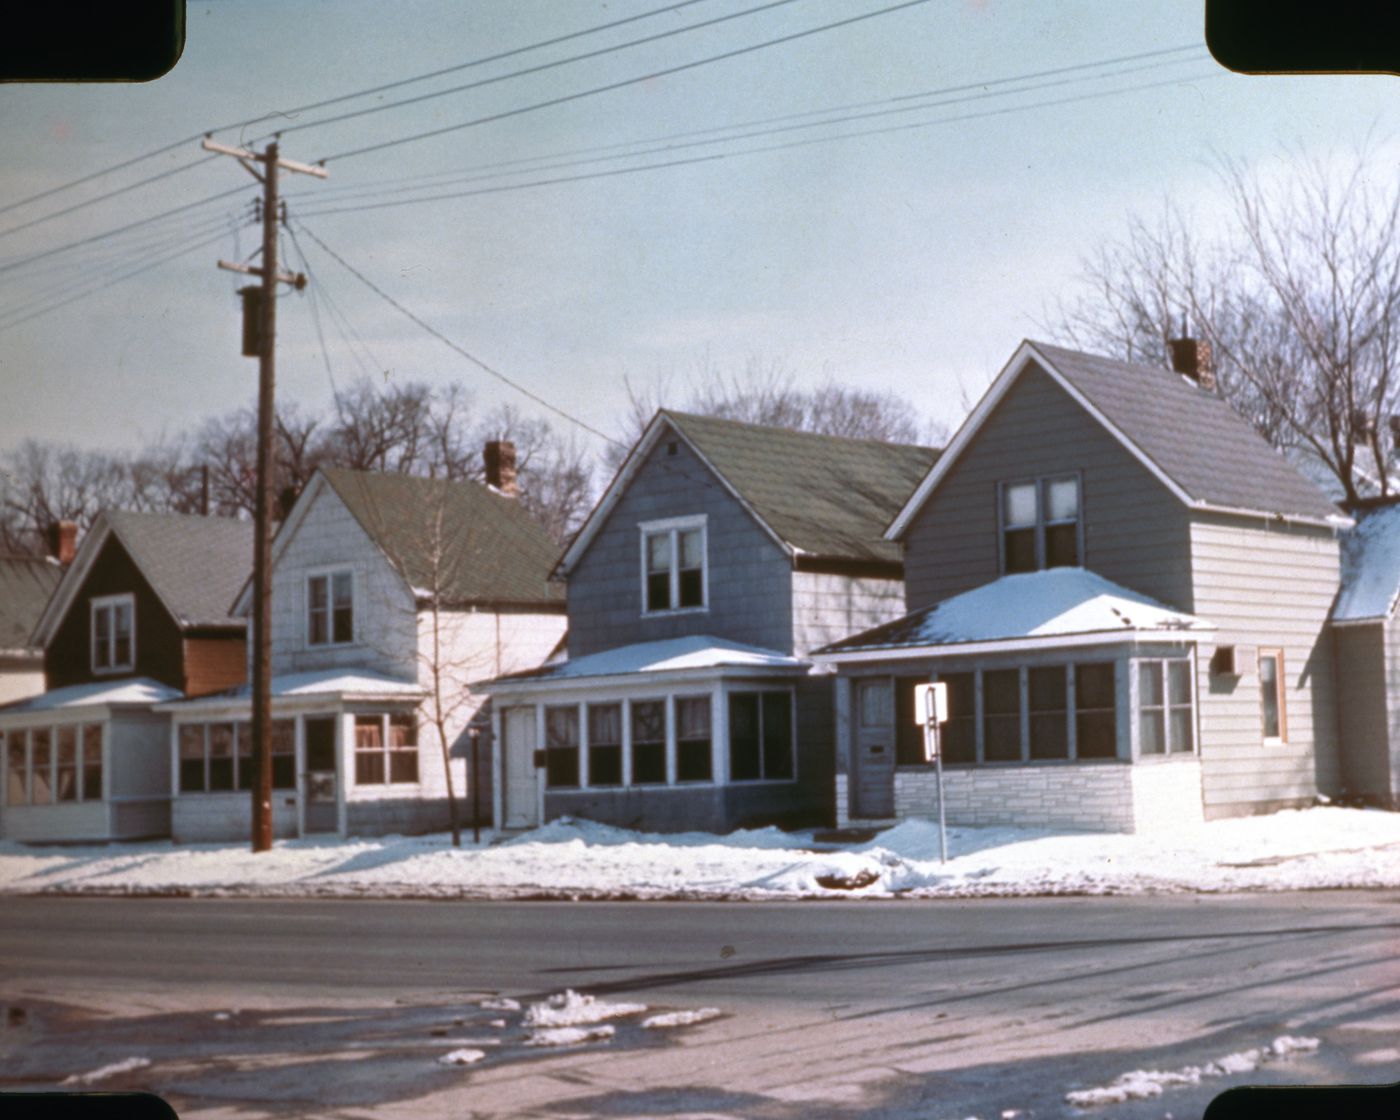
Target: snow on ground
669, 1019
104, 1072
570, 1009
1295, 850
568, 1036
463, 1057
1140, 1084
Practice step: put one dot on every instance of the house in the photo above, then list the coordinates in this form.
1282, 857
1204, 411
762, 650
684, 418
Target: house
1127, 593
718, 557
390, 593
140, 616
1366, 645
26, 582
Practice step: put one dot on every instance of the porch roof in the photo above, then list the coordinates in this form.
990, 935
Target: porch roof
1370, 568
1061, 606
331, 684
127, 692
695, 653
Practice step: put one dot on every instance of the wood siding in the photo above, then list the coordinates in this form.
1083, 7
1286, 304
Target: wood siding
159, 643
1265, 586
1135, 530
1365, 669
827, 608
749, 576
214, 664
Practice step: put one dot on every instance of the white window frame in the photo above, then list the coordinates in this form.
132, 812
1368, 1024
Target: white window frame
1043, 522
1169, 749
675, 526
329, 574
111, 603
385, 751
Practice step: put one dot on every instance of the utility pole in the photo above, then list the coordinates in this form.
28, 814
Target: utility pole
263, 335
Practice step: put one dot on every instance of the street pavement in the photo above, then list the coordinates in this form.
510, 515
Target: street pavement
989, 1008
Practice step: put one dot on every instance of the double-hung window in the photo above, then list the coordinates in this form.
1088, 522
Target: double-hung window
1271, 696
113, 633
693, 739
561, 743
760, 735
1041, 525
604, 744
673, 565
330, 608
648, 742
386, 749
1164, 707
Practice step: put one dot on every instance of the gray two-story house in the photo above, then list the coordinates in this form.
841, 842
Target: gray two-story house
1126, 591
720, 555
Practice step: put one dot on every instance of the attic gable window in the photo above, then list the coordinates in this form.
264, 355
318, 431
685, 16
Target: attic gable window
113, 633
330, 608
1041, 526
673, 565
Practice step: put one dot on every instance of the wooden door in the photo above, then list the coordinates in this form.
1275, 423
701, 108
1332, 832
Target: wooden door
521, 803
872, 783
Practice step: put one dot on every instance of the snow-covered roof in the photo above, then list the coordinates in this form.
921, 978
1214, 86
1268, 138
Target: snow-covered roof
129, 691
1370, 568
697, 652
349, 684
1029, 608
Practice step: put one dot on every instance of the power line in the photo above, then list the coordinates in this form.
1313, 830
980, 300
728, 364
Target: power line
382, 294
48, 192
370, 192
538, 68
735, 53
716, 156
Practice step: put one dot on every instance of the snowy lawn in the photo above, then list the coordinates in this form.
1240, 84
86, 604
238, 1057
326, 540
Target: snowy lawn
1299, 849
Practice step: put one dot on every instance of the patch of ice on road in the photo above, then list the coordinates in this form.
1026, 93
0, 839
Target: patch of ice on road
463, 1057
569, 1036
102, 1073
681, 1018
1140, 1084
500, 1003
571, 1009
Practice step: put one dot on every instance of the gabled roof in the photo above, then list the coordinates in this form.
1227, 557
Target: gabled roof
195, 565
482, 546
816, 495
1058, 606
26, 582
1190, 439
1370, 568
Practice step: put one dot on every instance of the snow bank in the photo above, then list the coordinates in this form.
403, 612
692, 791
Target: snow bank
1323, 847
569, 1036
1140, 1084
570, 1009
669, 1019
104, 1072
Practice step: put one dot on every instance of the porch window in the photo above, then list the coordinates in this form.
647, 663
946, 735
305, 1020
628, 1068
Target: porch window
221, 763
1095, 711
91, 766
386, 749
605, 744
1271, 695
284, 754
16, 768
1049, 711
1164, 707
113, 627
403, 748
330, 608
40, 766
693, 739
760, 735
192, 778
1001, 715
673, 557
247, 771
66, 764
959, 734
561, 746
1040, 524
648, 742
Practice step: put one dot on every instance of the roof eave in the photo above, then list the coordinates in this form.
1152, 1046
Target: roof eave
1013, 645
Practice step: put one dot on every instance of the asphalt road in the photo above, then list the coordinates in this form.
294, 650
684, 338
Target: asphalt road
975, 1008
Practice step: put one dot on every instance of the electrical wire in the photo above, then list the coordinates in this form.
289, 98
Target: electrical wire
734, 53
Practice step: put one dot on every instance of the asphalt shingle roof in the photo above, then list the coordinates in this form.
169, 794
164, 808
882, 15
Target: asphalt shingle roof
824, 495
1194, 436
26, 582
491, 549
197, 565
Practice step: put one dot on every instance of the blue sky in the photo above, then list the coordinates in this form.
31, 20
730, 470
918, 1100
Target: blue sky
910, 260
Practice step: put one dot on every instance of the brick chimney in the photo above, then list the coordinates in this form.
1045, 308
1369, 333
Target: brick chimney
500, 466
63, 541
1192, 358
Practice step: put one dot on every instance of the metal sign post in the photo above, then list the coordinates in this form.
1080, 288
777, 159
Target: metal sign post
931, 704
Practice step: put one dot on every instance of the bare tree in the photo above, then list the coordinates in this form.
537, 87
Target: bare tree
1299, 300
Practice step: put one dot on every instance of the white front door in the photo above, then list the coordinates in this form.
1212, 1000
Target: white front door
518, 753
